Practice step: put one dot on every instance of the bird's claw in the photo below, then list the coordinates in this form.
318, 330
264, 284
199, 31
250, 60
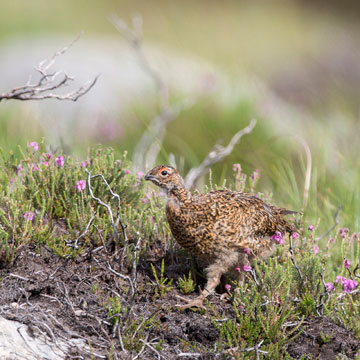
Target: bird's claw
197, 302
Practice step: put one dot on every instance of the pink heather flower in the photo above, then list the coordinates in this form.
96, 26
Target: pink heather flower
277, 237
45, 163
238, 269
330, 287
342, 278
144, 200
347, 263
236, 167
140, 174
83, 164
294, 235
349, 285
316, 249
48, 156
118, 163
34, 145
343, 232
332, 240
247, 268
12, 180
135, 185
35, 168
127, 172
355, 236
255, 175
311, 228
29, 216
60, 161
18, 168
247, 251
151, 219
80, 185
228, 287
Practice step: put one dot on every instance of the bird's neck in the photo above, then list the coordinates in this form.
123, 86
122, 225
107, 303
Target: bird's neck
181, 194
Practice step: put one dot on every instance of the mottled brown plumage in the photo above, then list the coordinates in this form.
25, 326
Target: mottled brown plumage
219, 225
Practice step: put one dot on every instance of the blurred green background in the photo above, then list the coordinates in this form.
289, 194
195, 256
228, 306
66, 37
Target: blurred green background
293, 65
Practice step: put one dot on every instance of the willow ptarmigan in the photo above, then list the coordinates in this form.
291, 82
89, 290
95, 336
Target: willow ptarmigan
225, 228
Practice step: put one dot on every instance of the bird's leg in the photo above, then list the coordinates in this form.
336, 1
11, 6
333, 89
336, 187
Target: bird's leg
213, 280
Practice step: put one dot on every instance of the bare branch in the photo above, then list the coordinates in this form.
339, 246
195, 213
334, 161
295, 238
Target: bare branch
108, 208
48, 82
75, 244
217, 154
149, 146
292, 257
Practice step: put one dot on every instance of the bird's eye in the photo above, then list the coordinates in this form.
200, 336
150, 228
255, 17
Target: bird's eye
164, 173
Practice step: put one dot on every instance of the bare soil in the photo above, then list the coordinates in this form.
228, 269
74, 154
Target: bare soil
68, 298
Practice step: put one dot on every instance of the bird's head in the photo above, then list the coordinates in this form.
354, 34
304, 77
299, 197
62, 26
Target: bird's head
166, 177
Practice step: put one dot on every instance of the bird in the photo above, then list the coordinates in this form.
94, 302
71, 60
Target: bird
226, 229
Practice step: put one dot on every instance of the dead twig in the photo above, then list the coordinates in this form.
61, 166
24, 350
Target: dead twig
320, 306
292, 257
149, 146
217, 154
255, 348
149, 345
108, 207
75, 243
48, 82
124, 277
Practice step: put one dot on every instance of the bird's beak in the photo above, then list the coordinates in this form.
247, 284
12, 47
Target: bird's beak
149, 177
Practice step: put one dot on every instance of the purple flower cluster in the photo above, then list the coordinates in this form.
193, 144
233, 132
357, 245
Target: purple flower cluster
29, 216
34, 145
347, 284
277, 237
255, 175
80, 185
343, 232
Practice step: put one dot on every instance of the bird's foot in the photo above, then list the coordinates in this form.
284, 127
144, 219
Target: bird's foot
197, 302
225, 297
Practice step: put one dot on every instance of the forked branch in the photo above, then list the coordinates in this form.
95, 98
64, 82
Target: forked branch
48, 82
217, 154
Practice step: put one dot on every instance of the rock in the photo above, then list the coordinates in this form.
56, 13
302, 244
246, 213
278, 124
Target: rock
18, 341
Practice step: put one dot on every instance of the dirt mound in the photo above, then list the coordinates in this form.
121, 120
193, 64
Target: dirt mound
82, 298
323, 339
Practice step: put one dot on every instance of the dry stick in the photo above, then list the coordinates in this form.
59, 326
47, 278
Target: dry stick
255, 348
291, 251
134, 264
75, 244
217, 154
336, 223
113, 223
125, 277
357, 268
152, 348
48, 82
121, 340
149, 146
320, 306
253, 275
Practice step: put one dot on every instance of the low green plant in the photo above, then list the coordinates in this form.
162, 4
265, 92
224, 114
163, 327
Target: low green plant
162, 284
186, 284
